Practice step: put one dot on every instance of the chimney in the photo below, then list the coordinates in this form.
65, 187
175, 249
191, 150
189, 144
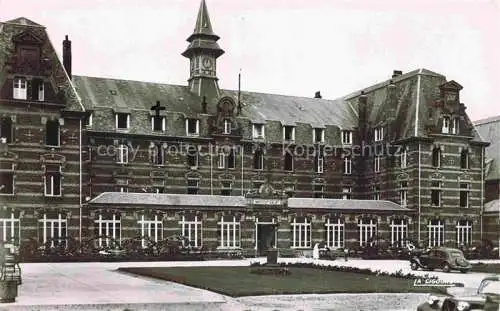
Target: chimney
396, 73
67, 56
317, 94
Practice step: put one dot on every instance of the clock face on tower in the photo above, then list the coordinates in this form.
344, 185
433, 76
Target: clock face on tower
206, 62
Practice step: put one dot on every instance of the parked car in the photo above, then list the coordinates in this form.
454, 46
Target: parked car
484, 298
443, 258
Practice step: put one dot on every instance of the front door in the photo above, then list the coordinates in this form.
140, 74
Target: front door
266, 237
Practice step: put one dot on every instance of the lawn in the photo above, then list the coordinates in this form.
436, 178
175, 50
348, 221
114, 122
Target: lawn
238, 281
486, 268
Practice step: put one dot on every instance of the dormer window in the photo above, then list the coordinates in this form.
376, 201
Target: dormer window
88, 121
20, 89
456, 126
379, 134
122, 121
288, 133
192, 127
158, 123
346, 137
318, 135
38, 90
258, 131
446, 125
227, 127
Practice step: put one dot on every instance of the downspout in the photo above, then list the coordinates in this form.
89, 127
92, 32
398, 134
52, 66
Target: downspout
482, 192
81, 182
419, 157
211, 173
242, 182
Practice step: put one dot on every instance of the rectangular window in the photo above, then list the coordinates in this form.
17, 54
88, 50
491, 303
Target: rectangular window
334, 230
379, 134
151, 227
228, 232
376, 164
318, 135
288, 133
456, 126
122, 121
20, 89
227, 126
464, 159
436, 157
436, 194
446, 125
226, 188
258, 160
191, 228
52, 133
108, 228
158, 123
122, 154
192, 127
258, 131
346, 193
464, 195
403, 157
347, 166
192, 156
367, 232
10, 230
288, 162
192, 186
6, 178
301, 233
231, 158
399, 231
403, 193
464, 233
157, 155
436, 233
221, 160
319, 191
53, 230
52, 180
6, 130
376, 193
319, 164
346, 137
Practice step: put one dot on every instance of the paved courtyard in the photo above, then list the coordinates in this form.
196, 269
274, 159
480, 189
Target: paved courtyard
98, 286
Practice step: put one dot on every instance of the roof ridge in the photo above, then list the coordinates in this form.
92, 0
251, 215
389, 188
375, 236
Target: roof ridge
127, 80
23, 21
487, 120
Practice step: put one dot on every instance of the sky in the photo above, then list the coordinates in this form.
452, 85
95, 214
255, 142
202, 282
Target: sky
290, 47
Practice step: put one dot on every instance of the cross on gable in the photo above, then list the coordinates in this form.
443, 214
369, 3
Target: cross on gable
157, 108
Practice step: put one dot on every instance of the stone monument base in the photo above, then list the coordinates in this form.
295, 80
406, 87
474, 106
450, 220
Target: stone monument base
271, 267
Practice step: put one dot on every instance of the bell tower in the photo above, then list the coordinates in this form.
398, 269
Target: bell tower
203, 51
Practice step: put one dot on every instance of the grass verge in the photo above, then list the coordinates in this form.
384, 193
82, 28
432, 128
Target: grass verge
238, 281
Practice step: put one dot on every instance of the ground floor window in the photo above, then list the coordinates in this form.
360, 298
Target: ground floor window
10, 230
436, 232
152, 227
399, 231
108, 226
334, 230
301, 228
228, 232
367, 231
52, 229
464, 233
191, 228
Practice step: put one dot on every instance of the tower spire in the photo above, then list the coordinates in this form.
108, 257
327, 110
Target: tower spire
203, 51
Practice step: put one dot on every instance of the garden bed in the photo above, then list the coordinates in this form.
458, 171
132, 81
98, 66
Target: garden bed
303, 279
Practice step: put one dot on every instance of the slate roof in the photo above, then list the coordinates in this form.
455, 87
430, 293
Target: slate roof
492, 206
12, 28
489, 130
339, 204
163, 199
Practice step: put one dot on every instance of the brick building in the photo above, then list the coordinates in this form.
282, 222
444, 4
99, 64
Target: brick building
397, 160
489, 130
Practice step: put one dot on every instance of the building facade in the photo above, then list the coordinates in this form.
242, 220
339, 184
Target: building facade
489, 130
231, 169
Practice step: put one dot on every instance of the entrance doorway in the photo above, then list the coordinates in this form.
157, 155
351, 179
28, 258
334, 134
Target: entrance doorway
266, 237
